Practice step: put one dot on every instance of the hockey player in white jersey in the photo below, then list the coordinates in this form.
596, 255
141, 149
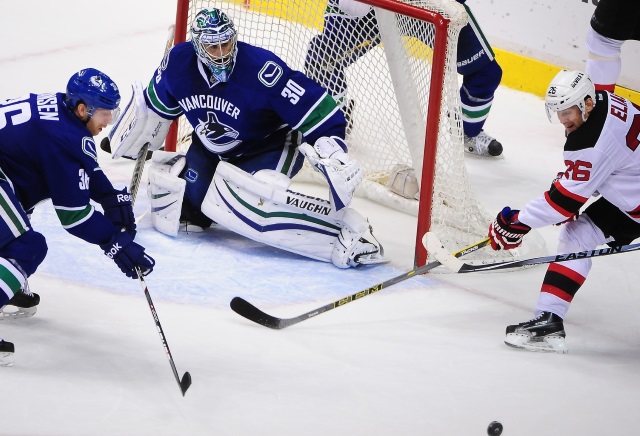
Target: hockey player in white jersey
602, 136
255, 120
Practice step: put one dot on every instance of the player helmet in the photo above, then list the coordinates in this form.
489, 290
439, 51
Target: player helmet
567, 89
210, 30
95, 89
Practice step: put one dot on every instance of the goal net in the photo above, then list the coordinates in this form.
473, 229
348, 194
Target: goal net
394, 74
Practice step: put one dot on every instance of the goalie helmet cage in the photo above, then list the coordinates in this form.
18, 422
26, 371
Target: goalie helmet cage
402, 81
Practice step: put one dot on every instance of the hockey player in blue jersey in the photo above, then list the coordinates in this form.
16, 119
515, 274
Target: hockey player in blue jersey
254, 120
331, 52
47, 152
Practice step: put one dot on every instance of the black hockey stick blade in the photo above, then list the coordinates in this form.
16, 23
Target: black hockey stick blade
185, 382
247, 310
458, 266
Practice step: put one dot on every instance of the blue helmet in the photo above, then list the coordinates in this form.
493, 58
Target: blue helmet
93, 88
209, 30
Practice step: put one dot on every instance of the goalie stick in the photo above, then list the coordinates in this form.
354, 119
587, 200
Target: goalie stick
438, 251
185, 382
247, 310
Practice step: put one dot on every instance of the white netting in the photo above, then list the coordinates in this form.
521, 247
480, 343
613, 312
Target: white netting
388, 78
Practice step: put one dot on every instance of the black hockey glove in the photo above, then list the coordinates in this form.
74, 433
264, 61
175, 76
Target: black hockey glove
506, 232
118, 209
128, 255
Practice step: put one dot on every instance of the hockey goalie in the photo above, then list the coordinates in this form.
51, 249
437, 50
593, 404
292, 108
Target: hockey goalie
254, 121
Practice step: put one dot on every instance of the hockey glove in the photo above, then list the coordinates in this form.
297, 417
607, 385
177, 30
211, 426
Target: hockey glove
506, 232
329, 157
119, 210
128, 255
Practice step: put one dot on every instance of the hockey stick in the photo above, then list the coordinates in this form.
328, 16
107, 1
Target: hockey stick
133, 189
252, 313
186, 378
460, 267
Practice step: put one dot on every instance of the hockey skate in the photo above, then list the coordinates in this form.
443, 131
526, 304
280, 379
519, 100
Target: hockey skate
23, 305
482, 145
545, 332
6, 353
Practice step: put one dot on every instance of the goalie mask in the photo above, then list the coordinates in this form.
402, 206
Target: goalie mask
567, 89
215, 40
95, 89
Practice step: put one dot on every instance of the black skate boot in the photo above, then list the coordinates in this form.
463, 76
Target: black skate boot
6, 353
545, 332
23, 304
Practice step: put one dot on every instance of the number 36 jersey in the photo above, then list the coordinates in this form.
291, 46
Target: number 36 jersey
46, 152
601, 157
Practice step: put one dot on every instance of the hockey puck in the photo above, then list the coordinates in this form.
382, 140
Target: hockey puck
494, 429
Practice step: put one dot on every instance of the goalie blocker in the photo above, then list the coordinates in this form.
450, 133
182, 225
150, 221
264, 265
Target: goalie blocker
261, 207
136, 126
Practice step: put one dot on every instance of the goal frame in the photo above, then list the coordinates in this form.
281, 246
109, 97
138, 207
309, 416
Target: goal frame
441, 25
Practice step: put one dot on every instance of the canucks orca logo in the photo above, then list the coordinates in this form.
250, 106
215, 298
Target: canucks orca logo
216, 136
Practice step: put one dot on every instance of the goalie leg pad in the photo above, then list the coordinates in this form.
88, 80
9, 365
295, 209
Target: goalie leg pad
356, 244
269, 213
261, 208
136, 126
166, 191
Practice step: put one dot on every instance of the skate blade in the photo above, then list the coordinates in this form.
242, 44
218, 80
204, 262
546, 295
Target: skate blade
14, 312
6, 359
372, 261
550, 344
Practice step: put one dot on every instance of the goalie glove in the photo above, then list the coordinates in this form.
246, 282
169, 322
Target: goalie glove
506, 232
329, 157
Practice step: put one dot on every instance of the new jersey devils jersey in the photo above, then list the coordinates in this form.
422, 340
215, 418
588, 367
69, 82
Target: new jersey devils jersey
600, 158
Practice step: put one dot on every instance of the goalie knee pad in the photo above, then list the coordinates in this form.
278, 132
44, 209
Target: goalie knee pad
356, 245
166, 191
403, 181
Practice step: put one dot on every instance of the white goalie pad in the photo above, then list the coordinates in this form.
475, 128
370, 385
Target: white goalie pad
136, 126
269, 213
261, 208
166, 191
328, 156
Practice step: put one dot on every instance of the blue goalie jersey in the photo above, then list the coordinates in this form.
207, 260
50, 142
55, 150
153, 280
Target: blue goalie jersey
261, 103
46, 152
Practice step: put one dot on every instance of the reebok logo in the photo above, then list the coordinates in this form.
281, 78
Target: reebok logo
122, 198
114, 250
